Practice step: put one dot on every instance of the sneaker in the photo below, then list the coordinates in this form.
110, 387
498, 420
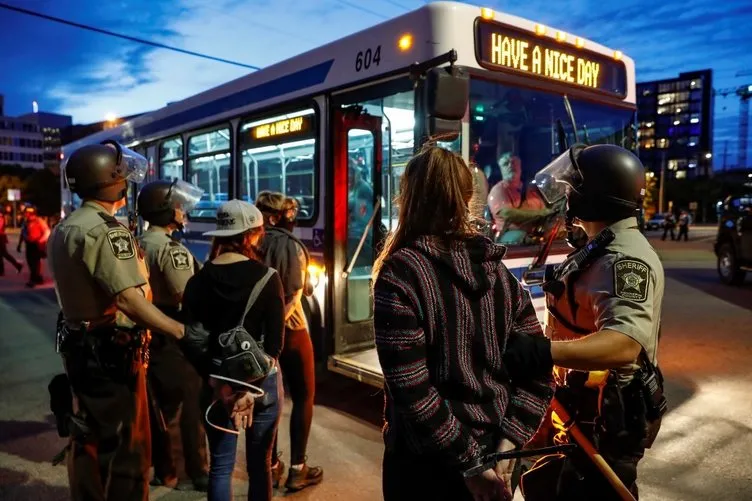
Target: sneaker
201, 484
277, 470
300, 479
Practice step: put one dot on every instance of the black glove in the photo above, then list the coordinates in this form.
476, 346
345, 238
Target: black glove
195, 345
527, 357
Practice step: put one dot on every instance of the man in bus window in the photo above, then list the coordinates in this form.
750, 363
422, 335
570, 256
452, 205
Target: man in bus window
516, 209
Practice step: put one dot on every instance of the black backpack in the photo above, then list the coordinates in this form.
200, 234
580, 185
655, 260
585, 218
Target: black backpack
239, 357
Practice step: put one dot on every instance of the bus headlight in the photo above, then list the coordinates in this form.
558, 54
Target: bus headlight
315, 274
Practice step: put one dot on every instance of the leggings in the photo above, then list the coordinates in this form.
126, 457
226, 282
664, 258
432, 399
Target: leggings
299, 372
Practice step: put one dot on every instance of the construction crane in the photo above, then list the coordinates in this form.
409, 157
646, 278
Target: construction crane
745, 94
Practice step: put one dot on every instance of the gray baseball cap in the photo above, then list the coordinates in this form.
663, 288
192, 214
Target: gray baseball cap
236, 217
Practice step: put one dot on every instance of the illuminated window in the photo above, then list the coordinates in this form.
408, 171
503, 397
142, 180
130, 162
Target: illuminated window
171, 158
278, 153
662, 143
681, 174
209, 159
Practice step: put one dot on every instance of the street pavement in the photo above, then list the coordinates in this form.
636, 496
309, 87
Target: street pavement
701, 452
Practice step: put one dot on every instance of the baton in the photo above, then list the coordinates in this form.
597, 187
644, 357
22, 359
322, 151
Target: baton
587, 446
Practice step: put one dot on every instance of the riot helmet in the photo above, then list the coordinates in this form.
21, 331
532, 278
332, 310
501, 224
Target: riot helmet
602, 182
101, 171
159, 201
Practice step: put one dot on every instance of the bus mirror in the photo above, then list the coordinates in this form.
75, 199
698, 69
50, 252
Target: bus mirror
447, 92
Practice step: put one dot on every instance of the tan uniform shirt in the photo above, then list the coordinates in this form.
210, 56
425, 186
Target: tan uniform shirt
170, 266
92, 258
621, 291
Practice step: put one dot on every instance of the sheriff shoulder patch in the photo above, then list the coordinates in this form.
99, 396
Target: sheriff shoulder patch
631, 279
180, 258
121, 243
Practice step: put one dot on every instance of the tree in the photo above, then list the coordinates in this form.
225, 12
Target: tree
43, 190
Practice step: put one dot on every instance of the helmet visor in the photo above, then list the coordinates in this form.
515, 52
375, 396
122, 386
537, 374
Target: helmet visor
132, 166
556, 179
184, 195
135, 165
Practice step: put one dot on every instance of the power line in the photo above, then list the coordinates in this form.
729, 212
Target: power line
397, 4
363, 9
125, 37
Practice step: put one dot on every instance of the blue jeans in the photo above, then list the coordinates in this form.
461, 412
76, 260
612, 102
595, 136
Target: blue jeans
259, 439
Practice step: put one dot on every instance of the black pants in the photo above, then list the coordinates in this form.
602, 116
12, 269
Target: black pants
4, 254
113, 463
667, 229
683, 231
299, 373
34, 260
177, 387
407, 477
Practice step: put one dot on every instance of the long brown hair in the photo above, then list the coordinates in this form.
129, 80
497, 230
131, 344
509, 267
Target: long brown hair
241, 244
434, 199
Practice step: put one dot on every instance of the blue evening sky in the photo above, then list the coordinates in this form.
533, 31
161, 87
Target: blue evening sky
88, 75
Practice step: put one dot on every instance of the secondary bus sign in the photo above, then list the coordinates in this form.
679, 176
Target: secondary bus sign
276, 131
500, 47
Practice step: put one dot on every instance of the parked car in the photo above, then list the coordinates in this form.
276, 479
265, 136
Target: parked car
656, 222
733, 245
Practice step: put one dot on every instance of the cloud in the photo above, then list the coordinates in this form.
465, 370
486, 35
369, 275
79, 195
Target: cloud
663, 38
263, 33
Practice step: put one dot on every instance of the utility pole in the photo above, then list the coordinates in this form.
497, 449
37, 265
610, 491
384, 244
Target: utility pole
663, 180
725, 153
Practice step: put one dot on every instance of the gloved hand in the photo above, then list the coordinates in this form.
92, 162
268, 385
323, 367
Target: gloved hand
527, 357
195, 345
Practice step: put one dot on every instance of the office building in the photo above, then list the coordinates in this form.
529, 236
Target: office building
676, 125
21, 142
52, 127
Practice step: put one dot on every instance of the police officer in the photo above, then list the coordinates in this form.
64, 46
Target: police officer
603, 316
164, 205
101, 284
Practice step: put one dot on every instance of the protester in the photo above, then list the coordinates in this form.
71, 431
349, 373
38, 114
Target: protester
218, 296
444, 306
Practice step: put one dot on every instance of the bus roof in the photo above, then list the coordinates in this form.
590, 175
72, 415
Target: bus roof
431, 30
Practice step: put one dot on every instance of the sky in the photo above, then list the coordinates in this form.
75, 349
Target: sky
88, 75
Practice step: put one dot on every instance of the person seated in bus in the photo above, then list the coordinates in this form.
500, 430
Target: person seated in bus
444, 306
287, 254
516, 209
217, 296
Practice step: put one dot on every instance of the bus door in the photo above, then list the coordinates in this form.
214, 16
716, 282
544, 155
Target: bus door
357, 230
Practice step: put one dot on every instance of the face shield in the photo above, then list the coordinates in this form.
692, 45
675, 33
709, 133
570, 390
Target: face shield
184, 196
556, 179
132, 166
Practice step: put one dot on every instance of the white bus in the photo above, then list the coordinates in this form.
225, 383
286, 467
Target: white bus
335, 126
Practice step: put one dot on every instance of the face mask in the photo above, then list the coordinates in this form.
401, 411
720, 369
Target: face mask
255, 392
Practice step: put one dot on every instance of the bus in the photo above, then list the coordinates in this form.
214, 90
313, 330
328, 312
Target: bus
334, 127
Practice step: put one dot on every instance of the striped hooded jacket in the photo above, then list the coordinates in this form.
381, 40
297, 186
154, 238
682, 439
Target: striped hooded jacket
442, 316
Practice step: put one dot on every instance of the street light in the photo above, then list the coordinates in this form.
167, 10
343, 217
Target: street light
708, 155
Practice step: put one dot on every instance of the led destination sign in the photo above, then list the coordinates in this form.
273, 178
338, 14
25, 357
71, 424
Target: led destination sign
503, 48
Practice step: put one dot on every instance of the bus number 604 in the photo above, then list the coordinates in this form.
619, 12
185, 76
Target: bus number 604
364, 60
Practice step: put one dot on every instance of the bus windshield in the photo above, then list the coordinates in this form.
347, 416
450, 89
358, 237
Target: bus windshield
514, 133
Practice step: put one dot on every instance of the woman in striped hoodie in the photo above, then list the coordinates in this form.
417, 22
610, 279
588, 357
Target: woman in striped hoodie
445, 305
